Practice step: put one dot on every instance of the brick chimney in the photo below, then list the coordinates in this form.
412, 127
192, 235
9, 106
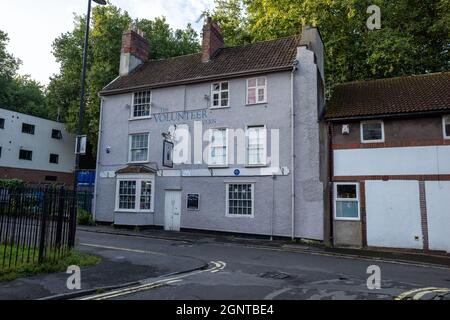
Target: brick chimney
135, 50
212, 39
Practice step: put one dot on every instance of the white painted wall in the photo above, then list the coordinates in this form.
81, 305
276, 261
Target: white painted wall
41, 143
393, 214
438, 209
392, 161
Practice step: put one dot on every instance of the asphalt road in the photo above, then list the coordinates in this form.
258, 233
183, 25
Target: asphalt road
239, 272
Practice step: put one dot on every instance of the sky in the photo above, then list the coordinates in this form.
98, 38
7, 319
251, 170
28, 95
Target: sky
32, 25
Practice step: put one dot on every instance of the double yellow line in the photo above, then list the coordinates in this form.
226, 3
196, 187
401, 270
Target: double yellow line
215, 266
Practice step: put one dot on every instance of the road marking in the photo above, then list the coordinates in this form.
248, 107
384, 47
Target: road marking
122, 249
418, 294
217, 266
276, 293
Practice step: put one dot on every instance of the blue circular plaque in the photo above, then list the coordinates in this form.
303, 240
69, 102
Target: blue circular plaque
237, 172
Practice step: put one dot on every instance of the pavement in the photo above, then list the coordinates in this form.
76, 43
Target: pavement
157, 265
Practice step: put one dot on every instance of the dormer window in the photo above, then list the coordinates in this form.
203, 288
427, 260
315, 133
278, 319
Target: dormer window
220, 95
141, 104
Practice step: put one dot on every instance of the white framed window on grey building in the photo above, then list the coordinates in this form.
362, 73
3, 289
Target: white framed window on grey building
446, 126
135, 194
138, 147
220, 94
240, 200
193, 201
2, 123
372, 131
218, 144
256, 142
346, 201
25, 154
142, 104
28, 128
257, 90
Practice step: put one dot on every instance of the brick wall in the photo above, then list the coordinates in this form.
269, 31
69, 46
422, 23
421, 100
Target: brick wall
36, 176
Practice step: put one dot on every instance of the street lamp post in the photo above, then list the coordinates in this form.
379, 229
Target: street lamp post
81, 113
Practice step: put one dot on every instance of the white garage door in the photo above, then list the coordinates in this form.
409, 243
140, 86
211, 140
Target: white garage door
438, 210
393, 214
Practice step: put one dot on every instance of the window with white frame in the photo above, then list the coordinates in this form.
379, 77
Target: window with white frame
134, 195
240, 199
139, 147
372, 131
220, 94
142, 104
257, 90
256, 145
346, 201
218, 147
446, 127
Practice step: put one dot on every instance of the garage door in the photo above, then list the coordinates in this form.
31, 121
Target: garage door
393, 214
438, 210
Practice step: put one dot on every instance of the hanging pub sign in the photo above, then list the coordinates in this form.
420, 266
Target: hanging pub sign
80, 145
168, 154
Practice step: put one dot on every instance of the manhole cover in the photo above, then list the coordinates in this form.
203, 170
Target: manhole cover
274, 275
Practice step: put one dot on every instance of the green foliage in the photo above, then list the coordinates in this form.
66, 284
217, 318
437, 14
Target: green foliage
414, 38
108, 24
19, 93
11, 183
84, 218
32, 268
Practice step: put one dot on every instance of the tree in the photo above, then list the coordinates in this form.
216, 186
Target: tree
19, 93
108, 24
414, 38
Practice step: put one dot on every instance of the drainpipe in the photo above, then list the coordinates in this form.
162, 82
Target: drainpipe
294, 69
330, 182
98, 158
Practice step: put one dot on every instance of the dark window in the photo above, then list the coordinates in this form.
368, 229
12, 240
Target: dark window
26, 155
56, 134
51, 178
447, 127
372, 131
193, 201
27, 128
2, 123
0, 152
54, 158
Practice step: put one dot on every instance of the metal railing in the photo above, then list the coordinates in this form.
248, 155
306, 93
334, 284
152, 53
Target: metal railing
37, 224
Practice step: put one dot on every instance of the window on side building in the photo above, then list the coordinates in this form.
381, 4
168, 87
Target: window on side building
141, 104
220, 95
256, 145
54, 158
139, 147
26, 155
346, 205
240, 200
372, 131
218, 147
2, 123
135, 195
446, 127
56, 134
257, 90
27, 128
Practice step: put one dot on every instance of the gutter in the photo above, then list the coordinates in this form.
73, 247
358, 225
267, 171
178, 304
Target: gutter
195, 80
94, 210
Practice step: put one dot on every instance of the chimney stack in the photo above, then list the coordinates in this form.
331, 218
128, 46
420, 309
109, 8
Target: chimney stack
212, 39
135, 50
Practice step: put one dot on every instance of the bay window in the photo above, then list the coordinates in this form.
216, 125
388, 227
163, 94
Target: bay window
135, 194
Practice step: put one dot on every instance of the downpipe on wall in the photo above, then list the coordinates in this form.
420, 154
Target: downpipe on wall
294, 69
94, 208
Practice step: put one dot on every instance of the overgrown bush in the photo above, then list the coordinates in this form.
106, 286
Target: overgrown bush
11, 183
84, 218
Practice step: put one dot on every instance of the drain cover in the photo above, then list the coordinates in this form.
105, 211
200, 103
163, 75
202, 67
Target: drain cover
274, 275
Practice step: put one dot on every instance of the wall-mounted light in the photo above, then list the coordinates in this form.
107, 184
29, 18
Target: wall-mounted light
108, 149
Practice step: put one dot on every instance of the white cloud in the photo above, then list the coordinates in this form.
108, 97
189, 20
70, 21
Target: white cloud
33, 25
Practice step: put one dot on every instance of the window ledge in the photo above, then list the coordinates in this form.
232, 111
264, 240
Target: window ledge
214, 108
140, 118
218, 167
348, 219
256, 165
373, 141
